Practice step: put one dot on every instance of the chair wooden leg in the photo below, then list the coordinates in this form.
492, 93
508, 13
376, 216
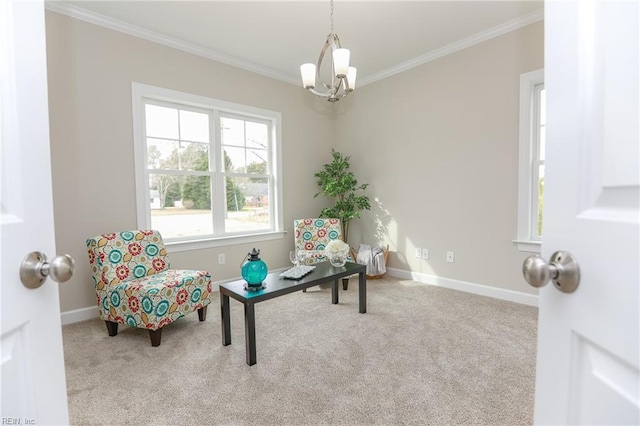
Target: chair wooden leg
112, 328
202, 313
155, 335
345, 283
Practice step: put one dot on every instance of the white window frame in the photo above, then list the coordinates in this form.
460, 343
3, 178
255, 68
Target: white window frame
140, 92
527, 239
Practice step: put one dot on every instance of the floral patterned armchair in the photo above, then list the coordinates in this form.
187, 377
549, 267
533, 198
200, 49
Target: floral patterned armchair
135, 285
312, 236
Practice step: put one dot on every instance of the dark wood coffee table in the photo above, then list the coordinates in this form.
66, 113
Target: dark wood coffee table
277, 286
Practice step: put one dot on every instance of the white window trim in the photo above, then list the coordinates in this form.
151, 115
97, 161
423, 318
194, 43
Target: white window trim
140, 91
524, 240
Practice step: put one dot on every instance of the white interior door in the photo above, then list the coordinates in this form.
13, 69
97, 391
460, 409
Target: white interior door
33, 376
588, 345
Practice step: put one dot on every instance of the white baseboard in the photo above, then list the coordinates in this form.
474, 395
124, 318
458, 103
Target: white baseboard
479, 289
77, 315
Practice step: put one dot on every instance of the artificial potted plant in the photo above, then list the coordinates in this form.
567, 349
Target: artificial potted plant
336, 181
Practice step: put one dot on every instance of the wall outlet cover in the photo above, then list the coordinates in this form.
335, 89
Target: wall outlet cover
450, 257
425, 254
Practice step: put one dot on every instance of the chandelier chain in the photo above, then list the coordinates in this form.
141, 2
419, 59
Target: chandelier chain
331, 16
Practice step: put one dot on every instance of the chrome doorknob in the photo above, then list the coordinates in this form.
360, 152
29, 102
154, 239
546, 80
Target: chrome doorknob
36, 268
562, 269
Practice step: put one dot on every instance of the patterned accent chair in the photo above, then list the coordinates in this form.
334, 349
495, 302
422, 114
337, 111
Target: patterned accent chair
135, 285
311, 237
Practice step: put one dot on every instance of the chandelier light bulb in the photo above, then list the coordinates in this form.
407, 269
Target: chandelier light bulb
308, 72
351, 78
341, 62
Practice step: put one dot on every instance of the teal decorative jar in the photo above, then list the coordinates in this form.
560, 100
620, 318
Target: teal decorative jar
254, 271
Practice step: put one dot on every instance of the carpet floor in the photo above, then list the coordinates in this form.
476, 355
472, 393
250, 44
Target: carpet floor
421, 355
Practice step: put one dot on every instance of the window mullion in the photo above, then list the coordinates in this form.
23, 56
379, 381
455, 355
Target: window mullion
177, 172
217, 184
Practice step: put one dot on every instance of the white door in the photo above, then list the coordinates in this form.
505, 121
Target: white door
588, 344
33, 376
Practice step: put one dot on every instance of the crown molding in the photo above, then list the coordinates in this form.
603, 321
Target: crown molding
480, 37
136, 31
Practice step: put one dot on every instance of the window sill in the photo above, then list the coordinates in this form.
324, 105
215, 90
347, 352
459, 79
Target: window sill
178, 246
529, 246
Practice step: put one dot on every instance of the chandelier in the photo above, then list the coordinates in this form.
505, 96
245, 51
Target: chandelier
343, 77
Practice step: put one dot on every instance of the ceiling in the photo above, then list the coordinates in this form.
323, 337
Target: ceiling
275, 37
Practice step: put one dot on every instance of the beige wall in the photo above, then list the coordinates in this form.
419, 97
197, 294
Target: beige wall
438, 145
90, 73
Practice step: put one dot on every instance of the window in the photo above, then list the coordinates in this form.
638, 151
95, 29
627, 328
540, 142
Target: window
206, 170
531, 161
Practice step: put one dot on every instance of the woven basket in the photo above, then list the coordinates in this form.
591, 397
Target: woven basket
354, 255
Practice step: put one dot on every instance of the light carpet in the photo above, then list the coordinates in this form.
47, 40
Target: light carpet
420, 355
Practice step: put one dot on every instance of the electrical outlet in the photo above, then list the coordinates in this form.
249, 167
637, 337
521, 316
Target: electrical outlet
425, 254
418, 253
221, 259
450, 257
